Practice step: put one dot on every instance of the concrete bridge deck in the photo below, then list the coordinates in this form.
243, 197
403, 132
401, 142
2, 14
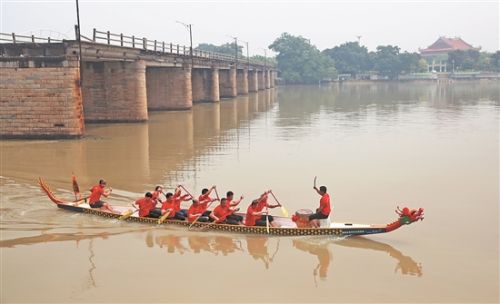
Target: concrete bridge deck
45, 93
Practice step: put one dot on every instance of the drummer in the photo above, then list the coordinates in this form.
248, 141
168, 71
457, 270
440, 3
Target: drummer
323, 211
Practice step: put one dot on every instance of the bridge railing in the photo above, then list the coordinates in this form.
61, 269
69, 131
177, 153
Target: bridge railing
161, 46
16, 38
143, 43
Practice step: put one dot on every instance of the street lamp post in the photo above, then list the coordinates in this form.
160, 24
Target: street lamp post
248, 56
79, 37
188, 27
265, 58
235, 50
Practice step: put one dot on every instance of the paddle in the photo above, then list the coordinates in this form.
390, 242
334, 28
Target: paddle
163, 217
76, 191
283, 210
202, 213
267, 220
128, 214
76, 188
208, 206
186, 191
217, 194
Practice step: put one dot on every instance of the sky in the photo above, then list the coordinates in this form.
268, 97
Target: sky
408, 24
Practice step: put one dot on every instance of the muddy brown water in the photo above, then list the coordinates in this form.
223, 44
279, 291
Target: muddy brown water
375, 146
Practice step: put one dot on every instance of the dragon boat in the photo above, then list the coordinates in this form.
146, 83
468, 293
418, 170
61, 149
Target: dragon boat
288, 226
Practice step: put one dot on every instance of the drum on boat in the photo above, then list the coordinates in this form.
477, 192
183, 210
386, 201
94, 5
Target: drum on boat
301, 218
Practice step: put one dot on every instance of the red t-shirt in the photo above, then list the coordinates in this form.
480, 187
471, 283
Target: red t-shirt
221, 212
204, 198
156, 196
169, 204
250, 219
145, 204
196, 209
96, 193
262, 204
324, 204
178, 199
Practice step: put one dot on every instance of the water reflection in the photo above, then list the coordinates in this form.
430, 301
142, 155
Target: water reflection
169, 148
321, 251
175, 146
405, 264
388, 97
265, 249
260, 248
45, 237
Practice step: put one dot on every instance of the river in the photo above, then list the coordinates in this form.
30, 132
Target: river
374, 145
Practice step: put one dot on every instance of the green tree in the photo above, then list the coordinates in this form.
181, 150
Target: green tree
423, 66
386, 61
409, 62
495, 61
227, 48
350, 58
464, 60
301, 62
269, 60
483, 62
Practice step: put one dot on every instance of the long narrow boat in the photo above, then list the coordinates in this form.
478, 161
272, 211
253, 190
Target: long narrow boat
287, 226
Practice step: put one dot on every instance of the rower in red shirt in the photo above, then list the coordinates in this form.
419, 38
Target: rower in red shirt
256, 216
324, 209
231, 205
199, 211
146, 206
199, 207
205, 195
95, 197
173, 205
157, 194
221, 214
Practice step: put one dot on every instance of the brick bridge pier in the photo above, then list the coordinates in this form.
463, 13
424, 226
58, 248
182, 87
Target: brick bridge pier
122, 78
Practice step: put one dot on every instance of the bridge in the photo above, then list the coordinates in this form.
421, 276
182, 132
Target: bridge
48, 91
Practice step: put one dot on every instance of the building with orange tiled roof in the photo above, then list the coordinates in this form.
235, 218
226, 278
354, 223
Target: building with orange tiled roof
436, 54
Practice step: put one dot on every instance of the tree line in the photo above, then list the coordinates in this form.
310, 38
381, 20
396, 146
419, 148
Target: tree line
299, 61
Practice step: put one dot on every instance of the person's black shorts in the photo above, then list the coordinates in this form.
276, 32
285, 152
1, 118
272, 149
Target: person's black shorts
317, 216
262, 221
228, 221
97, 204
235, 217
155, 213
179, 216
203, 219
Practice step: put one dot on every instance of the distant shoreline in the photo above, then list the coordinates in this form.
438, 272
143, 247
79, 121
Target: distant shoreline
362, 81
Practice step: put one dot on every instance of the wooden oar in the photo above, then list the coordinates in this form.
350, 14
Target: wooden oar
283, 210
267, 220
186, 191
163, 217
208, 206
217, 194
127, 214
76, 188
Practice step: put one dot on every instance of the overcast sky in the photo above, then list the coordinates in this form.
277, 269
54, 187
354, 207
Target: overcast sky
408, 24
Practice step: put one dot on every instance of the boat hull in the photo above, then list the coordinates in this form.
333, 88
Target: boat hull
282, 231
